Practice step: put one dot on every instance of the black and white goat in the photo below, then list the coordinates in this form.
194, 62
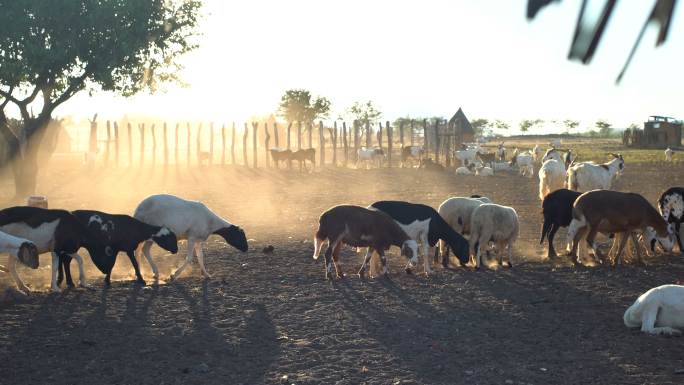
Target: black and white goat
414, 153
424, 225
557, 213
122, 233
191, 220
56, 231
671, 207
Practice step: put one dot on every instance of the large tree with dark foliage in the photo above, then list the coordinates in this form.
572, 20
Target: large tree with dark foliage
51, 50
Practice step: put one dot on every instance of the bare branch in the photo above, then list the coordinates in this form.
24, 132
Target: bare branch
7, 100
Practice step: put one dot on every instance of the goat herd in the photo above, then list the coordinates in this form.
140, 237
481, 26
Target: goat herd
27, 231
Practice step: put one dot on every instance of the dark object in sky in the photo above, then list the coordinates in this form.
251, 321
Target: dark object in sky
588, 35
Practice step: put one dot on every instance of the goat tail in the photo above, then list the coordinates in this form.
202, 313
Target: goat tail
319, 240
546, 227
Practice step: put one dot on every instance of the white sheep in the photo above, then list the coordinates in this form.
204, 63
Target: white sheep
668, 154
551, 173
189, 220
588, 176
493, 223
457, 212
658, 311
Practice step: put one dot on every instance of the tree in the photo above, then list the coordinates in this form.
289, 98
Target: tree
364, 113
50, 51
501, 125
298, 106
526, 124
570, 124
605, 128
481, 126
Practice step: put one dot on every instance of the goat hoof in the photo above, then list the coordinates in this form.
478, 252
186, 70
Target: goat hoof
141, 282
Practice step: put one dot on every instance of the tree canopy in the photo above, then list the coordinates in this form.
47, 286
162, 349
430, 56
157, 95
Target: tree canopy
526, 124
605, 128
364, 112
299, 106
51, 50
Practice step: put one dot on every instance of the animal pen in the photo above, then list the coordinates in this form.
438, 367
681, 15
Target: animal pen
658, 132
142, 144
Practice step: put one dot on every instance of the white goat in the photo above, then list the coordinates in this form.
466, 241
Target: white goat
493, 223
19, 249
668, 154
463, 170
189, 220
525, 162
537, 152
370, 155
484, 171
658, 311
468, 154
588, 176
551, 173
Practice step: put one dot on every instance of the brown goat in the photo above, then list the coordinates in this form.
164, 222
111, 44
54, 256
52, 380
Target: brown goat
302, 156
360, 227
616, 212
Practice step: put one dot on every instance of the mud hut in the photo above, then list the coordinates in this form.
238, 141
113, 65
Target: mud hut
460, 127
658, 132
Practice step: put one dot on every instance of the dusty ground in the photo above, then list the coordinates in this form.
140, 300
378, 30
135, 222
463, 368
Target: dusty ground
271, 318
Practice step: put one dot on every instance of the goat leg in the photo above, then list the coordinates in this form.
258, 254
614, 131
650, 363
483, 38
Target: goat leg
136, 267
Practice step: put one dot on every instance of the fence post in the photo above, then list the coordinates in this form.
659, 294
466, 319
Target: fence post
255, 130
130, 144
141, 127
116, 143
437, 140
310, 127
368, 135
175, 148
401, 133
411, 134
106, 152
244, 145
166, 147
211, 143
275, 136
154, 145
188, 146
321, 142
267, 143
425, 137
345, 143
299, 135
289, 128
223, 144
380, 135
333, 139
199, 144
232, 146
357, 140
389, 143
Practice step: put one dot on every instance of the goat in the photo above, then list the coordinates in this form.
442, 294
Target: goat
280, 155
371, 155
658, 311
411, 152
668, 154
537, 152
467, 154
589, 176
357, 226
616, 212
457, 212
20, 249
557, 213
524, 161
191, 220
302, 156
487, 158
493, 223
484, 171
551, 173
56, 231
121, 233
569, 158
424, 225
466, 170
671, 207
429, 164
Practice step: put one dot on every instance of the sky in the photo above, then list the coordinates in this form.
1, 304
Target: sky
415, 58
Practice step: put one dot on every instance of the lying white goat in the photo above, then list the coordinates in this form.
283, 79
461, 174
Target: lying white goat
658, 311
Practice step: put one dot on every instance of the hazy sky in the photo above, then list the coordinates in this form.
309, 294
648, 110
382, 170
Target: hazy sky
417, 58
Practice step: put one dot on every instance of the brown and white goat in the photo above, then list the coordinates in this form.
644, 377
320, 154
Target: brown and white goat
616, 212
358, 226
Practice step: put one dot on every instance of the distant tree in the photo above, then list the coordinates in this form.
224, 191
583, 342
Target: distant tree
526, 124
364, 113
501, 125
570, 124
52, 50
482, 127
298, 106
605, 128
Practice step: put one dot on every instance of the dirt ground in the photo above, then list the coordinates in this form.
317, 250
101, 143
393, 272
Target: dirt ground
272, 318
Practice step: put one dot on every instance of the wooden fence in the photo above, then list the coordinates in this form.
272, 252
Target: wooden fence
335, 145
